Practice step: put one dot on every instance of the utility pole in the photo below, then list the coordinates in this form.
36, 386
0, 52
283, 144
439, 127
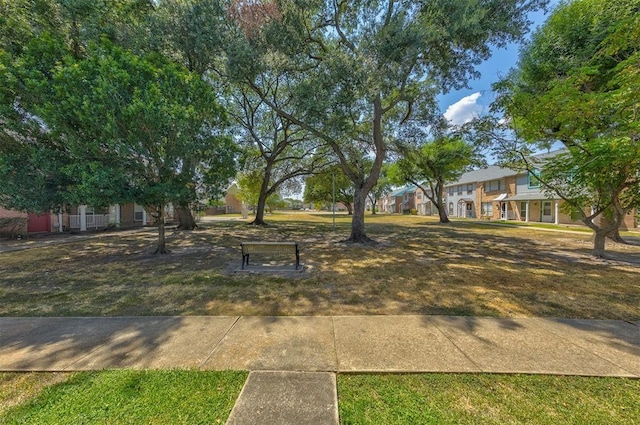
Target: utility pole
333, 199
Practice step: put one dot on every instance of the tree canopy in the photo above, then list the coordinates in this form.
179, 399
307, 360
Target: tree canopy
138, 128
429, 161
359, 70
576, 83
276, 152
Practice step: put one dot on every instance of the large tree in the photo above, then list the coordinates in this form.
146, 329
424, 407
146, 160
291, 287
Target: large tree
576, 83
143, 118
138, 128
275, 150
191, 33
431, 158
361, 68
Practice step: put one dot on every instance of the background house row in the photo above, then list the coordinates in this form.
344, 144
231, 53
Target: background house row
84, 217
492, 193
76, 218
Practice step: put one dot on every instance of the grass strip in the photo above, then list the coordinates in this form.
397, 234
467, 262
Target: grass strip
487, 399
131, 397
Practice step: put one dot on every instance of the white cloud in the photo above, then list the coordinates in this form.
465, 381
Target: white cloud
464, 110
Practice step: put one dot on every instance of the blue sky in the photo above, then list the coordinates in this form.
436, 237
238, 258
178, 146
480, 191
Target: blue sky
462, 105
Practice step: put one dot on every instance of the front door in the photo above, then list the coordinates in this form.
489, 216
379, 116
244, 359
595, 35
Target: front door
469, 210
547, 215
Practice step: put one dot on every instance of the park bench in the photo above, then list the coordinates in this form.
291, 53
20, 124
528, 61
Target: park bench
250, 248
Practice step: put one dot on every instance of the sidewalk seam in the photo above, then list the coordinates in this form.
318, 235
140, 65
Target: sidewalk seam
456, 345
206, 359
335, 348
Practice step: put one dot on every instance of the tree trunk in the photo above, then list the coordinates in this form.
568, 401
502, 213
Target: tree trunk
442, 213
262, 202
441, 206
162, 247
599, 239
357, 221
374, 205
614, 235
262, 198
185, 218
364, 185
349, 207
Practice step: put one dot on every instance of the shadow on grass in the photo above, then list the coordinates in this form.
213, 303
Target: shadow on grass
418, 267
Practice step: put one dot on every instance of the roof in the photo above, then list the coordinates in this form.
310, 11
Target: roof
403, 190
492, 172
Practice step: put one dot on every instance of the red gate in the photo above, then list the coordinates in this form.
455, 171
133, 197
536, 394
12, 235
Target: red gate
39, 223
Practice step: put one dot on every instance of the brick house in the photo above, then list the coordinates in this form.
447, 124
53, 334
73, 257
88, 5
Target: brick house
496, 193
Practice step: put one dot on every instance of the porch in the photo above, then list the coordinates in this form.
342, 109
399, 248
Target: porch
92, 221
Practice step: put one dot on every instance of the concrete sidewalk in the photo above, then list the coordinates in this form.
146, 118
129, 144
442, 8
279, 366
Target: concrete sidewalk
306, 352
330, 344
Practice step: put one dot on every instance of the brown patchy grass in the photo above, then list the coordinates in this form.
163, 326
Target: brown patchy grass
19, 388
418, 267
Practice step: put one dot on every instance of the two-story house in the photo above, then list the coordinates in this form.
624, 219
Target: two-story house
401, 200
502, 194
497, 193
480, 193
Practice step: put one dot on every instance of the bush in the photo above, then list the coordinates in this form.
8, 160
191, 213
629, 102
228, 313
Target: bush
13, 226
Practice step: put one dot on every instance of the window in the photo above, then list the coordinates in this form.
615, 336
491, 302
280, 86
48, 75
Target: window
418, 195
470, 189
460, 190
138, 213
450, 190
450, 208
487, 208
492, 186
523, 210
532, 179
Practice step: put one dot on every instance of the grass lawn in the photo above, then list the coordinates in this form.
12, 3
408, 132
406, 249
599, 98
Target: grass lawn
190, 397
119, 397
487, 399
418, 267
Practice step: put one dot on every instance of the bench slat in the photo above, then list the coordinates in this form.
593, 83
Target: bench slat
269, 247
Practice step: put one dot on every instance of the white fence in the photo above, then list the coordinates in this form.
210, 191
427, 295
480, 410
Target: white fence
94, 221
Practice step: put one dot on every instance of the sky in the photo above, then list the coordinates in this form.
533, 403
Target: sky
462, 106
